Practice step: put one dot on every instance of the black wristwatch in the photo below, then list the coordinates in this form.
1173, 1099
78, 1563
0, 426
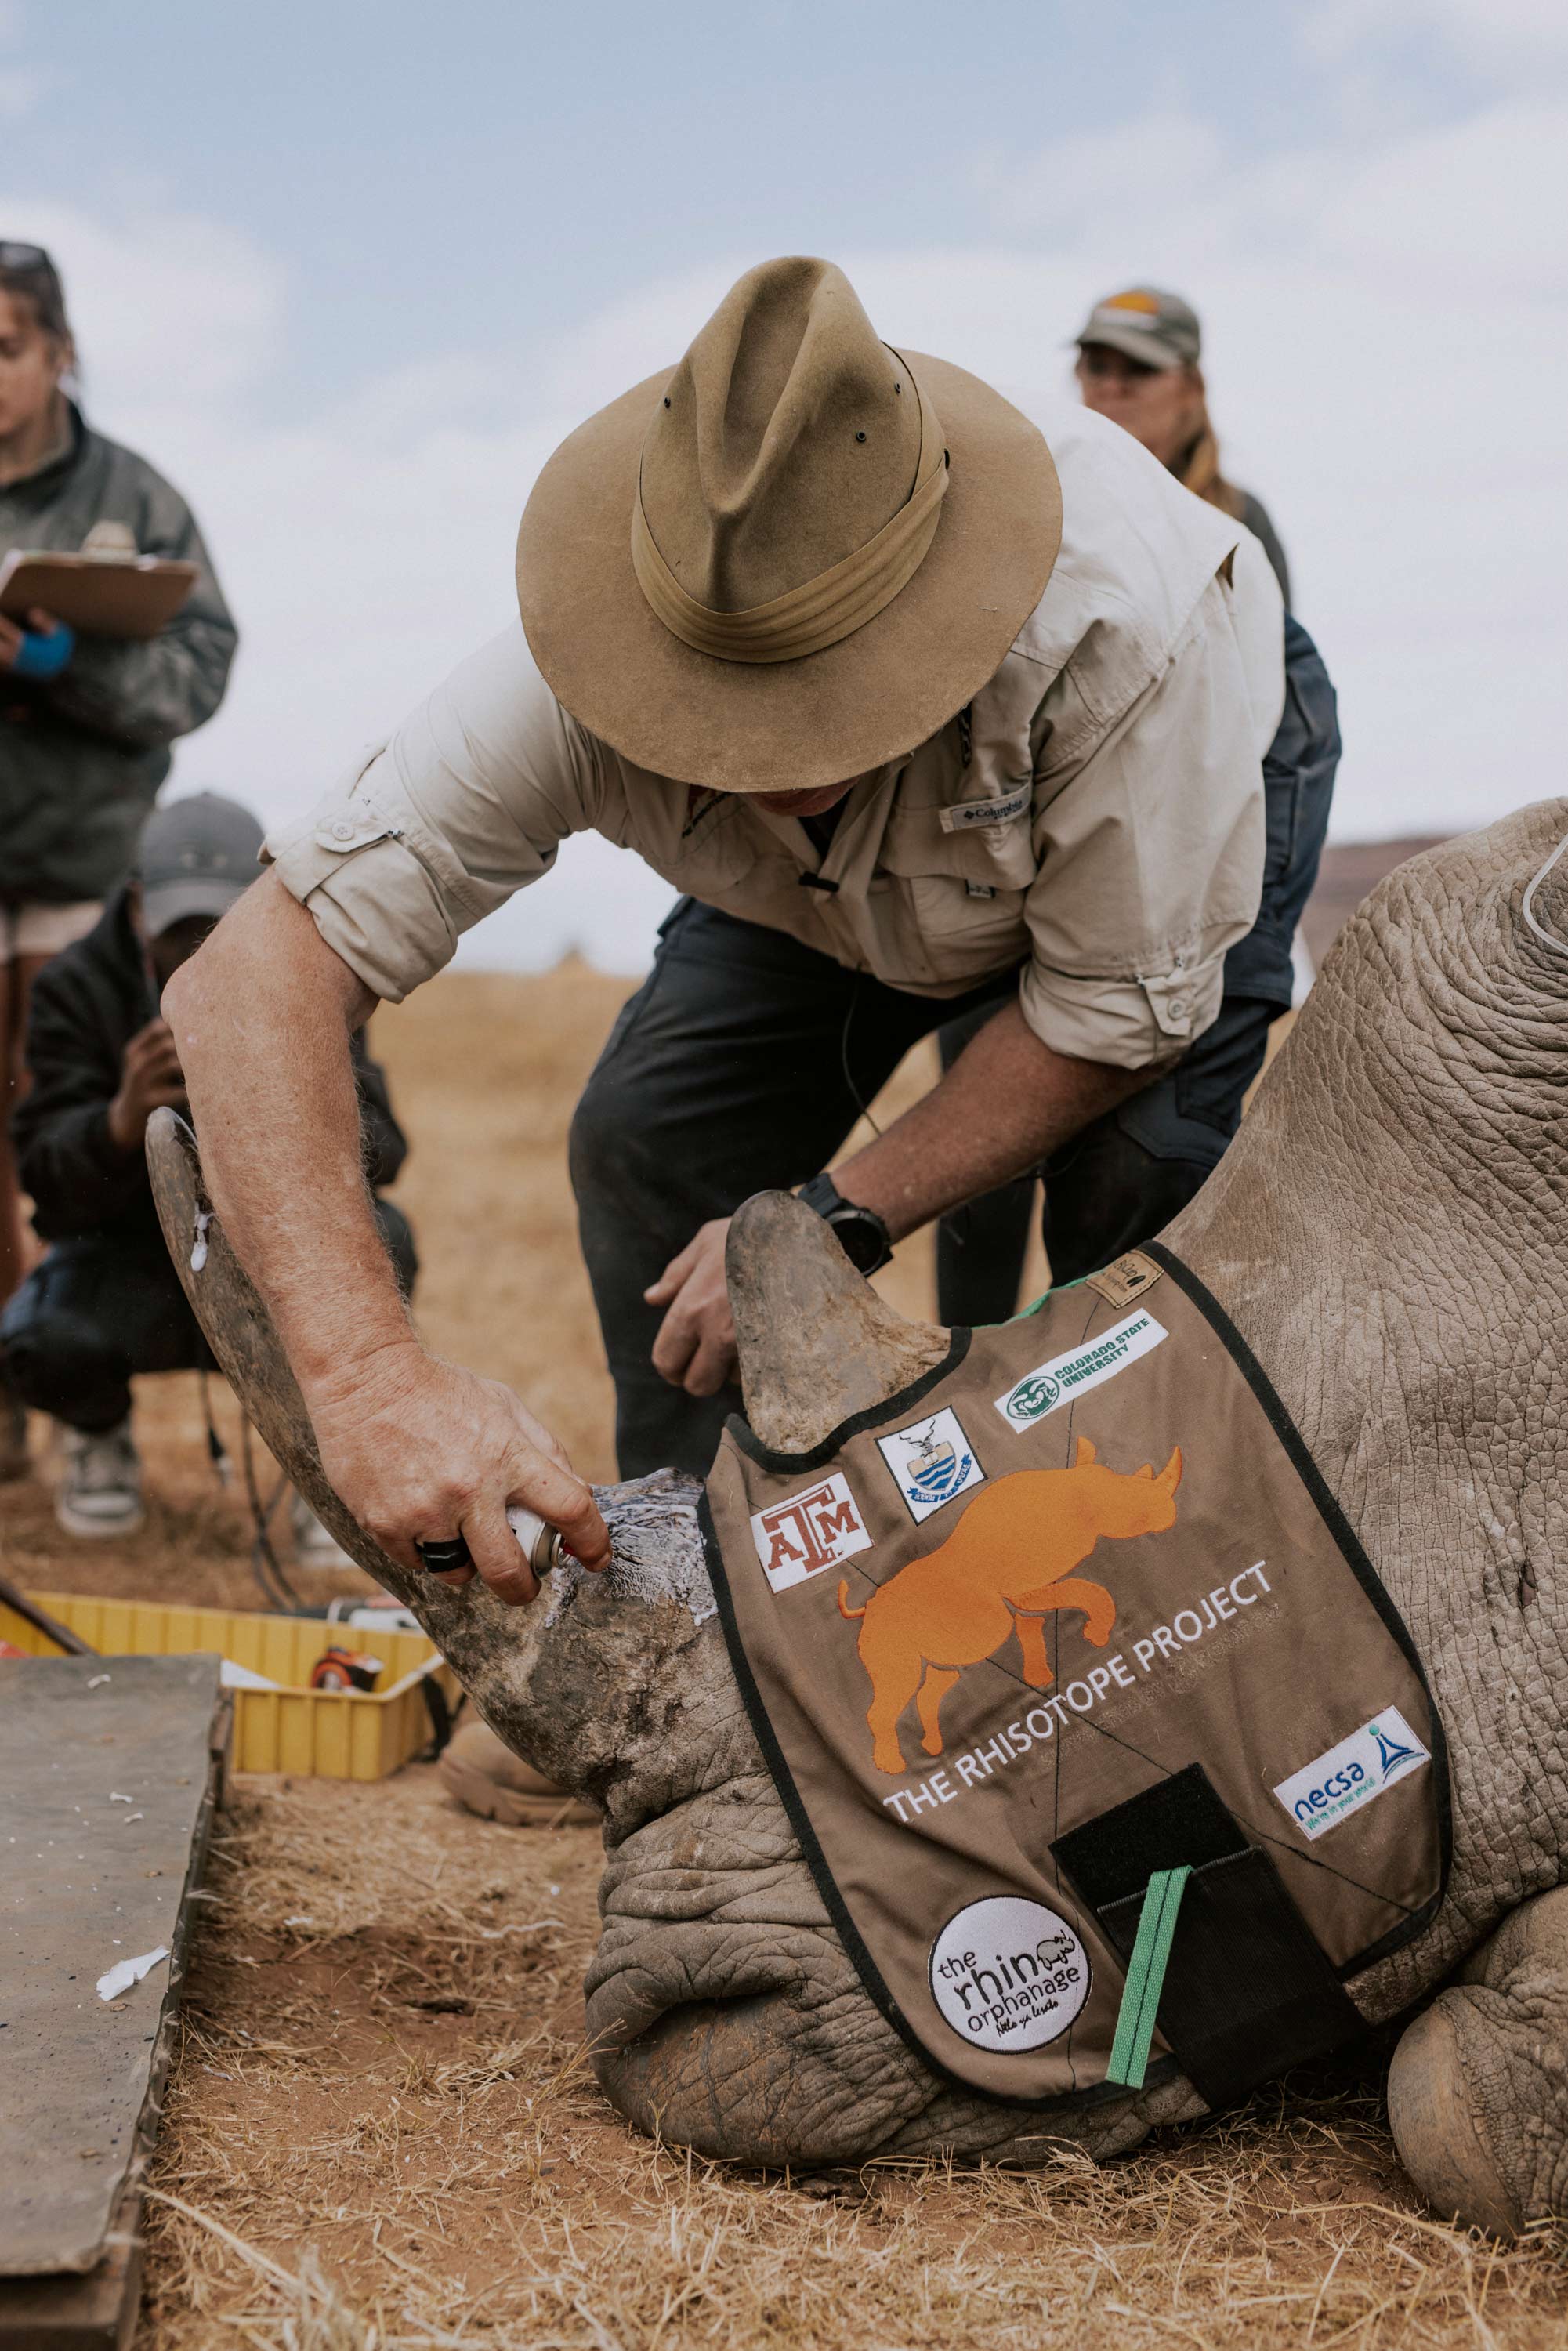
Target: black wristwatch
859, 1232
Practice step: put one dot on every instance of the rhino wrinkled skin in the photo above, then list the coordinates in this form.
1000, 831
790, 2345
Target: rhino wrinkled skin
1389, 1232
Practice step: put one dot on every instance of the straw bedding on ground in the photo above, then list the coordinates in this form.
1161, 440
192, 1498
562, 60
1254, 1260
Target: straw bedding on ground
382, 2130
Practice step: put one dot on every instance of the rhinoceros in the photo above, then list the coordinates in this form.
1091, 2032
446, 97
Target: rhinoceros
1389, 1233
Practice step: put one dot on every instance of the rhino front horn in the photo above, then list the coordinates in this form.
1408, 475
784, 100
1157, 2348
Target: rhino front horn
1170, 1476
238, 1329
817, 1344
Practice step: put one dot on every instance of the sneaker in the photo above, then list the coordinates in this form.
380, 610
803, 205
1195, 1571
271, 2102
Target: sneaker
314, 1545
486, 1778
99, 1492
14, 1458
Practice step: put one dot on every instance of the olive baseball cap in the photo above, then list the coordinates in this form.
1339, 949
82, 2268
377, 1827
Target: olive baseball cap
196, 857
1158, 329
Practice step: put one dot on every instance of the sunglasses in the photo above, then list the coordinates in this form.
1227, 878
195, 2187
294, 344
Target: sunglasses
14, 255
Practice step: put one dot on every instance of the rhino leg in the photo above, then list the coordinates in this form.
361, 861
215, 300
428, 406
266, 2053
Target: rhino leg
1478, 2091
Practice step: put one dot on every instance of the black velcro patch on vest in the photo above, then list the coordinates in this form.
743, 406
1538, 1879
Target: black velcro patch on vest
1248, 1992
1179, 1819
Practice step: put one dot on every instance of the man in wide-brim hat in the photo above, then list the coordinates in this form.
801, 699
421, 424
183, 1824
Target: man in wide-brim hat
920, 711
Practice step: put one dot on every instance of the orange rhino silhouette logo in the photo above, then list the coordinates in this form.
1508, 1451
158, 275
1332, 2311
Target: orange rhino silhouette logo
1006, 1563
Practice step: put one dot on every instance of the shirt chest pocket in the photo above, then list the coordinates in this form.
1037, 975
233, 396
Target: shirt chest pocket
712, 854
965, 888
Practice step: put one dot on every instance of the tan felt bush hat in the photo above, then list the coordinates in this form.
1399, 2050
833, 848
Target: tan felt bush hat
794, 558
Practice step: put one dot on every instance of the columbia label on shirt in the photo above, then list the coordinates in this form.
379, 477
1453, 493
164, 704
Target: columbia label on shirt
964, 815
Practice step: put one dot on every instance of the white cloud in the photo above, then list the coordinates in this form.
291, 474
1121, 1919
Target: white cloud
1387, 335
168, 308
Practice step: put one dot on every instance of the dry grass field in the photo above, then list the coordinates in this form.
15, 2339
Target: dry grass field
382, 2134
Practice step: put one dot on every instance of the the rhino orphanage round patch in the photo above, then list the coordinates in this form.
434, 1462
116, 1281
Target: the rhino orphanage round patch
1008, 1974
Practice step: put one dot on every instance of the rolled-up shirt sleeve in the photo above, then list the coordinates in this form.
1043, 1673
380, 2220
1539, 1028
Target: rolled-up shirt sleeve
1151, 854
468, 801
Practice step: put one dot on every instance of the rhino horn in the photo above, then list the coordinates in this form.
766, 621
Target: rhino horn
1085, 1453
239, 1330
1146, 1472
1169, 1477
817, 1344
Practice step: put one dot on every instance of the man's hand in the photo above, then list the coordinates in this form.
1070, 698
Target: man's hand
150, 1077
420, 1450
695, 1346
38, 623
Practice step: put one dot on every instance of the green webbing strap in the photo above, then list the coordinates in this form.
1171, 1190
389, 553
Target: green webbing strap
1056, 1290
1147, 1977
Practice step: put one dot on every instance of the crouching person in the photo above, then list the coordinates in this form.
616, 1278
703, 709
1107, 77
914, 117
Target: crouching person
105, 1303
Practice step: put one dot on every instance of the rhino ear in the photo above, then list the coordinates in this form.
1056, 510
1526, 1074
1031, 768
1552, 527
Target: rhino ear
817, 1344
1084, 1454
1170, 1476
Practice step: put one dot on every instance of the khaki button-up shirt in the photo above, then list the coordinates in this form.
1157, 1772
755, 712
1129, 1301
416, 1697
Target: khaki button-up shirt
1104, 836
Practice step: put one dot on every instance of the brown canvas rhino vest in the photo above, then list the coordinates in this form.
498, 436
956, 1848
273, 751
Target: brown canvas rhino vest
1072, 1676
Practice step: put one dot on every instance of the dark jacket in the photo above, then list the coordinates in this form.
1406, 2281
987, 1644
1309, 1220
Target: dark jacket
1255, 515
82, 756
87, 1005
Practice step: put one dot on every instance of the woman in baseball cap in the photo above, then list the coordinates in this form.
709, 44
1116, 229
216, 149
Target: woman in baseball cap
1138, 356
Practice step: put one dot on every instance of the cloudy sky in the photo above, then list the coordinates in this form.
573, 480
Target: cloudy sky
347, 272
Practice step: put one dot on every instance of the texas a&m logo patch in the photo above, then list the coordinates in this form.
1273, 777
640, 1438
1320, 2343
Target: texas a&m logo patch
813, 1529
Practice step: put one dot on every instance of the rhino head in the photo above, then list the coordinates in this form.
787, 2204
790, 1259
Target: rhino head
1389, 1233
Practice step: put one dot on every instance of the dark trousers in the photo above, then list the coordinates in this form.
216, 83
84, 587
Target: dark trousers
743, 1061
980, 1248
101, 1309
741, 1065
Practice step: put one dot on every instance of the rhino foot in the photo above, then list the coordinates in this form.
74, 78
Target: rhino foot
1478, 2091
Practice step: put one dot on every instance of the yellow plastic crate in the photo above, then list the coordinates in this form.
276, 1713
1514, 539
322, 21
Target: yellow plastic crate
324, 1734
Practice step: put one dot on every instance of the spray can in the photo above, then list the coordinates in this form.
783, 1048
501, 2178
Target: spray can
540, 1544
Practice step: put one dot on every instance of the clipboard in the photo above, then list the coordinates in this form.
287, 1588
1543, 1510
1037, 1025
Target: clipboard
97, 595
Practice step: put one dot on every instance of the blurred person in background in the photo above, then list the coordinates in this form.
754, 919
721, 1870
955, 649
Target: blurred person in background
1138, 364
106, 1303
1138, 356
85, 724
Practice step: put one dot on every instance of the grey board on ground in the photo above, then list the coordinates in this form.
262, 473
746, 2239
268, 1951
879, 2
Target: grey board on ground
87, 1880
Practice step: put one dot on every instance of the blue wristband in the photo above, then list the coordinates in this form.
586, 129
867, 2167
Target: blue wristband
41, 656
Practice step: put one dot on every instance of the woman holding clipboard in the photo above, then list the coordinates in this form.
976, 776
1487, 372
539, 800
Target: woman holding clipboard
87, 714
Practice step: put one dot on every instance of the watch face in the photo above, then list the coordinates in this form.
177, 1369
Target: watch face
859, 1238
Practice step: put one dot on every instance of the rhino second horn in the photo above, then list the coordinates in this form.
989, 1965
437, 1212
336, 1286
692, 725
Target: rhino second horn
817, 1344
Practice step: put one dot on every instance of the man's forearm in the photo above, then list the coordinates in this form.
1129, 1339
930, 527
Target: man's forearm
1007, 1101
262, 1017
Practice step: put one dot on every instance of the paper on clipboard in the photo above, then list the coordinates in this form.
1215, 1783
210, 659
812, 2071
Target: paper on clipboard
97, 595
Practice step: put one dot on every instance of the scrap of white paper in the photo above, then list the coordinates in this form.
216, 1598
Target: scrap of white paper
126, 1972
234, 1676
